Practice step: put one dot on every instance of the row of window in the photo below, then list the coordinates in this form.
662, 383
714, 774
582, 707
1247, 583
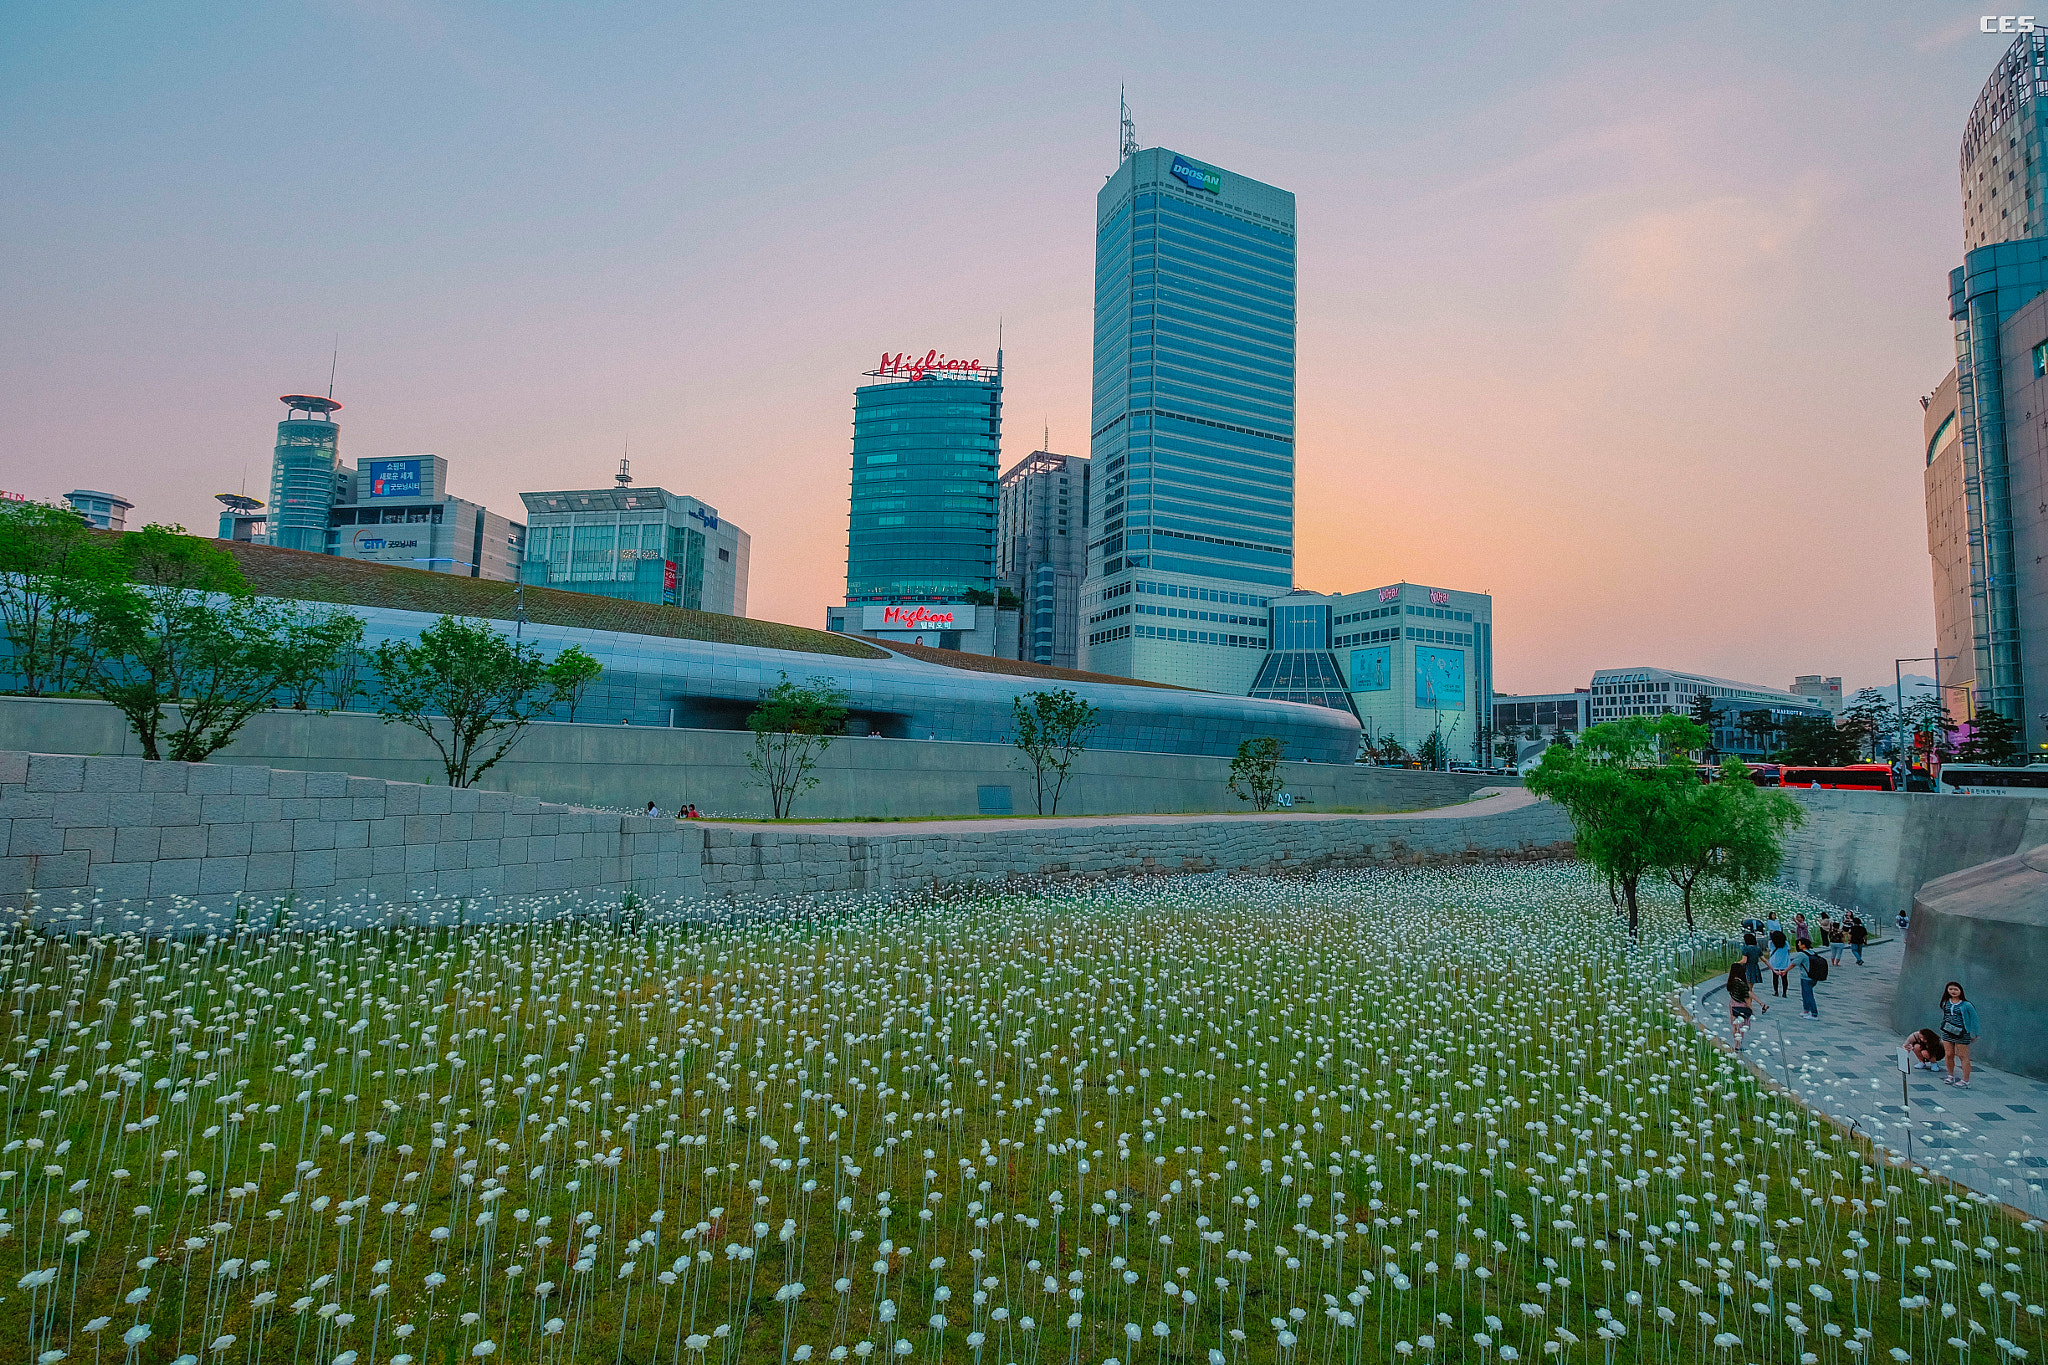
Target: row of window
1199, 637
1369, 637
1103, 637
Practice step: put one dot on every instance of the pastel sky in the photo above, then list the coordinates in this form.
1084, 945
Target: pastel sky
1617, 311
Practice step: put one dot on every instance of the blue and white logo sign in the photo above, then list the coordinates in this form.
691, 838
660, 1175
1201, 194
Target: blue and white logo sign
393, 478
1195, 177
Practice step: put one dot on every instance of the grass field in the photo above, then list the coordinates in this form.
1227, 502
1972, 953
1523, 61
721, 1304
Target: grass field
1364, 1117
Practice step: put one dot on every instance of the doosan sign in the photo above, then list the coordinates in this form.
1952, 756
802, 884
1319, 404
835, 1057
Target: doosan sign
947, 617
931, 362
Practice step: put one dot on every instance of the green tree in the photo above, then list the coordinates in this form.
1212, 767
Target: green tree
1817, 742
1707, 715
51, 564
793, 726
1255, 772
1993, 739
1870, 721
1622, 785
1433, 753
469, 688
1391, 750
576, 670
312, 645
1929, 728
1760, 725
183, 634
1727, 838
1051, 729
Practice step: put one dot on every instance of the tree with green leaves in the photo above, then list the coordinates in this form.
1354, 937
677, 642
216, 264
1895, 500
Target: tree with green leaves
576, 671
793, 726
1993, 739
1050, 730
470, 689
1760, 725
180, 632
51, 567
1622, 786
1433, 753
1727, 839
1870, 721
1255, 772
1929, 728
1816, 742
312, 645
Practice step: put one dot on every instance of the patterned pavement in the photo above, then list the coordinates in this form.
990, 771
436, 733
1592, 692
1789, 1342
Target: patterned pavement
1992, 1137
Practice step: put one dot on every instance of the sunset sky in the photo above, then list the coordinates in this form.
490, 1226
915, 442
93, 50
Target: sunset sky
1618, 312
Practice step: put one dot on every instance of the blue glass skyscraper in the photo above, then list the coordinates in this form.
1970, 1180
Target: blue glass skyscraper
1192, 437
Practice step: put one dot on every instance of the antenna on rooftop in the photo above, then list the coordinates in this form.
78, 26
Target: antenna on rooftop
333, 363
625, 474
1127, 143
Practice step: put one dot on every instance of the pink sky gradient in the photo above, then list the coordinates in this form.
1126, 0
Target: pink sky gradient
1619, 316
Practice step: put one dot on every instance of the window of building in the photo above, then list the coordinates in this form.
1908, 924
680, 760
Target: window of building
2041, 360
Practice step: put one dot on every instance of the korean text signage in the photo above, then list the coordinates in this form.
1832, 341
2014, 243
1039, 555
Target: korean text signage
1195, 177
950, 616
931, 362
1440, 679
393, 478
668, 575
1389, 594
1439, 598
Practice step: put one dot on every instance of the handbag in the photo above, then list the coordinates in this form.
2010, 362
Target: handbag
1952, 1028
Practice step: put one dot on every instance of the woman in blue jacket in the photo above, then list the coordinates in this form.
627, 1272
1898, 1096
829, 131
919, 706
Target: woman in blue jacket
1958, 1031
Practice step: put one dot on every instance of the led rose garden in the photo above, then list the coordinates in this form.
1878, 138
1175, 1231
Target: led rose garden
1372, 1116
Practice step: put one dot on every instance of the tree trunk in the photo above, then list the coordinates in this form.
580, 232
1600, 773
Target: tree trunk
1628, 891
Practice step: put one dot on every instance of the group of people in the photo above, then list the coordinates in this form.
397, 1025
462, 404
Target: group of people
1948, 1041
684, 812
1788, 952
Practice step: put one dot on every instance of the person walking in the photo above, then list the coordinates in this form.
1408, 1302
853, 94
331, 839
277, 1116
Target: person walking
1742, 1003
1804, 963
1958, 1031
1859, 934
1781, 963
1838, 942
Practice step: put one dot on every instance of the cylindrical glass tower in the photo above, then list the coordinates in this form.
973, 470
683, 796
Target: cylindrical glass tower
302, 473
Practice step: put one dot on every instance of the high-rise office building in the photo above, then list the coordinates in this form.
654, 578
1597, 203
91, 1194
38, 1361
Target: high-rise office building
927, 437
1042, 552
307, 476
642, 544
401, 512
1192, 436
1987, 464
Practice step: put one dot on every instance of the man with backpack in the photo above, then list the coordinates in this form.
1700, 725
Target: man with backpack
1812, 968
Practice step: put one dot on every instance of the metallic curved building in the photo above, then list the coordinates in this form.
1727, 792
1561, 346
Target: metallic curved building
656, 681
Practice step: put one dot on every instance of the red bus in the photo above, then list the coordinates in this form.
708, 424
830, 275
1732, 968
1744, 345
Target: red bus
1868, 777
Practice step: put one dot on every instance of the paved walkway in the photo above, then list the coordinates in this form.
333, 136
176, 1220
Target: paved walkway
1485, 801
1992, 1137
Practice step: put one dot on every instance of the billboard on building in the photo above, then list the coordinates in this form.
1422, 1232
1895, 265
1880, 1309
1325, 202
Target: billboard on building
946, 616
1372, 670
393, 478
1439, 679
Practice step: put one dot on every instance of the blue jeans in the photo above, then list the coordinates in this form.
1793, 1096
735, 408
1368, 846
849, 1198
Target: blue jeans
1806, 995
1857, 949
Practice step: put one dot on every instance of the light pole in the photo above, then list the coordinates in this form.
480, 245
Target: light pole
1899, 701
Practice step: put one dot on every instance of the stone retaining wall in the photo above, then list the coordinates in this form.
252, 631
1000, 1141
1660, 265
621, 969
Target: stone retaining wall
210, 841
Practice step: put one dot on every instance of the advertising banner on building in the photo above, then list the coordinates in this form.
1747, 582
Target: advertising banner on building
946, 616
1372, 670
668, 575
1440, 679
393, 478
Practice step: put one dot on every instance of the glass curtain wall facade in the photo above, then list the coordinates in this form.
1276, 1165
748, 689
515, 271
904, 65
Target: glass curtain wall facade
1041, 549
304, 471
922, 526
1192, 435
1298, 666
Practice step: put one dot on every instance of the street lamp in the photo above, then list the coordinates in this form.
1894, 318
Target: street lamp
1899, 699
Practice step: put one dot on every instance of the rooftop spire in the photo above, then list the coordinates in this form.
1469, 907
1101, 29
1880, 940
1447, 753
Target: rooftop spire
1127, 146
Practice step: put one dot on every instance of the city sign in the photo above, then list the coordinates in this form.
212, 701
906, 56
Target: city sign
1195, 177
364, 542
931, 362
393, 478
950, 616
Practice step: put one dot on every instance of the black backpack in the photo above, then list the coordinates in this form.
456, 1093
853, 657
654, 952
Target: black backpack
1816, 966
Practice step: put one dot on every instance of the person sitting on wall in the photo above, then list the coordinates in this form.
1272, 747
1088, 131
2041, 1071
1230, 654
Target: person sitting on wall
653, 811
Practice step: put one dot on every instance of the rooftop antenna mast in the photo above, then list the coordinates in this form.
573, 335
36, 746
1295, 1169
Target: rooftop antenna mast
1127, 144
332, 363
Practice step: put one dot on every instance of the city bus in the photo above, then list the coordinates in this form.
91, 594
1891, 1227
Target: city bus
1982, 779
1869, 777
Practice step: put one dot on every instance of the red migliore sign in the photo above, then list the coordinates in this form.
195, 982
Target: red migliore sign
915, 618
916, 367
